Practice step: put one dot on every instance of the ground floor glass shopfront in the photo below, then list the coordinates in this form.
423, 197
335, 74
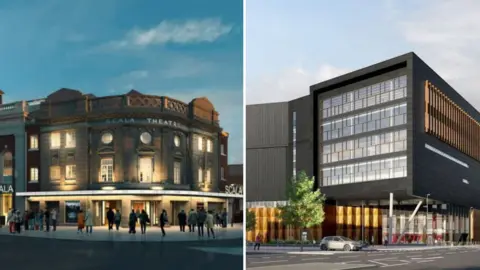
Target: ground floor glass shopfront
68, 206
6, 203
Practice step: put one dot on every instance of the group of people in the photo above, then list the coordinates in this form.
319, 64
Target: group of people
201, 219
84, 221
31, 220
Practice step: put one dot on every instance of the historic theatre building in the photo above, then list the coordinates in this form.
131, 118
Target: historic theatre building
123, 152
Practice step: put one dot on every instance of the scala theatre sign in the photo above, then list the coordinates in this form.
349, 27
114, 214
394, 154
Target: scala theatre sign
6, 188
151, 121
234, 189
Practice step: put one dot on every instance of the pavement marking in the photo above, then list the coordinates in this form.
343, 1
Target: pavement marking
426, 261
371, 255
271, 261
348, 262
313, 259
349, 256
372, 261
431, 258
451, 253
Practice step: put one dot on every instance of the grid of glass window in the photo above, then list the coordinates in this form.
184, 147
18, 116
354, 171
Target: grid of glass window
377, 144
365, 97
294, 117
365, 171
369, 121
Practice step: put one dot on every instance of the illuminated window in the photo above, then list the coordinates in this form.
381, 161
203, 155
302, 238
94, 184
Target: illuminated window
55, 140
7, 164
33, 142
70, 139
176, 140
106, 169
55, 173
33, 174
209, 146
145, 169
177, 173
70, 172
200, 175
200, 143
222, 149
208, 176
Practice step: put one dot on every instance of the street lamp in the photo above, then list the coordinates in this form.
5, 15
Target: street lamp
426, 218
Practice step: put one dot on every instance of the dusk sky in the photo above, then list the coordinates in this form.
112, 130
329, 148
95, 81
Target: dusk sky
109, 47
294, 44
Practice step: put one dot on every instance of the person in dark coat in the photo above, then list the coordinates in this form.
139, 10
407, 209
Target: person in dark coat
201, 218
163, 221
182, 220
132, 221
110, 218
47, 220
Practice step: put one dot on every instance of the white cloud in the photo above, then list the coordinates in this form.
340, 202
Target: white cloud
190, 31
288, 84
446, 35
138, 74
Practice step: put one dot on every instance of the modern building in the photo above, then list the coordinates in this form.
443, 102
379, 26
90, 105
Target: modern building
393, 134
123, 152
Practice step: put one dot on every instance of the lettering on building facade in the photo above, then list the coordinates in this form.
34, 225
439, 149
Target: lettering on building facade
151, 121
6, 189
234, 189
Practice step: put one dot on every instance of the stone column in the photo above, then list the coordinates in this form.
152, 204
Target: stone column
20, 181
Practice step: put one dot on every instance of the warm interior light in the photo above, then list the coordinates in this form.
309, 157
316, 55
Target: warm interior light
157, 188
108, 188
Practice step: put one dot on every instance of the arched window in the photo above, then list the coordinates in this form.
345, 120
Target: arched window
7, 164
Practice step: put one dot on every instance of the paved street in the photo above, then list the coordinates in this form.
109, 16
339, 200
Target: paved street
28, 253
453, 258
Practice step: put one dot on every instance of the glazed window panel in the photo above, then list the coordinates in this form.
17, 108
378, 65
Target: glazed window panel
177, 170
364, 97
145, 169
33, 174
106, 170
374, 170
55, 173
373, 120
378, 144
451, 124
70, 172
7, 164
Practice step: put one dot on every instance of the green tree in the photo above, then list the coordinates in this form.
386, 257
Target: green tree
304, 207
251, 221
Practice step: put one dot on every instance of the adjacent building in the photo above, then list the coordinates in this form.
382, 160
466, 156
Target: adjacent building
393, 129
132, 151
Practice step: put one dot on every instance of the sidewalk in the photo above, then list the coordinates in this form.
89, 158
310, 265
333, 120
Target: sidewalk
153, 234
316, 250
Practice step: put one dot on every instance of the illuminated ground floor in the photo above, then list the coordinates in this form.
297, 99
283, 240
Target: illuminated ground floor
369, 223
153, 202
6, 203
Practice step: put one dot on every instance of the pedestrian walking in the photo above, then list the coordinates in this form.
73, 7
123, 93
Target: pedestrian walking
163, 221
210, 224
201, 217
89, 222
258, 241
11, 220
110, 218
47, 220
18, 221
144, 219
182, 220
80, 221
132, 221
118, 218
192, 220
54, 215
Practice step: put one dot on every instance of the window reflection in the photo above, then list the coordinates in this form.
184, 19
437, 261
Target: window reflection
372, 120
377, 144
365, 97
365, 171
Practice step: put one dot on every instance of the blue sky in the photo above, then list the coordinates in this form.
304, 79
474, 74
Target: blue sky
183, 49
294, 44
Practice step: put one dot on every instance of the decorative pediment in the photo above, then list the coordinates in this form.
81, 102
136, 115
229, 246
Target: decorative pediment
106, 151
145, 151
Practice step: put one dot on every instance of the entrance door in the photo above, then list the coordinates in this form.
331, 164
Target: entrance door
107, 206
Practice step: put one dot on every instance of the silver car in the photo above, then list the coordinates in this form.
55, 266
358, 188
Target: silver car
339, 243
